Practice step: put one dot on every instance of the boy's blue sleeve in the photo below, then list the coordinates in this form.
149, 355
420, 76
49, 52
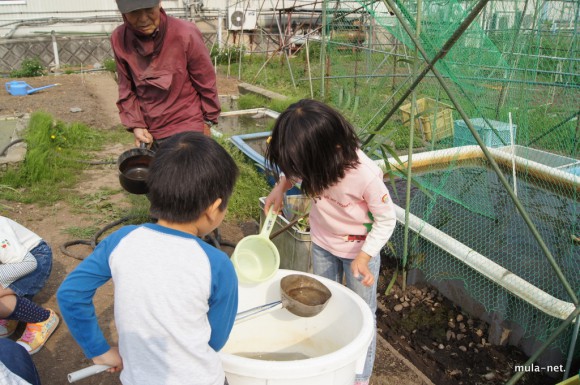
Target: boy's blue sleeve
223, 302
75, 296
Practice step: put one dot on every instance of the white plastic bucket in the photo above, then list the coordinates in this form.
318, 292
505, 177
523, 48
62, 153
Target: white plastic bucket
256, 257
280, 348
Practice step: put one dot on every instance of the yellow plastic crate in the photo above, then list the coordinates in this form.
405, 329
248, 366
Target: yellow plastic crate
433, 119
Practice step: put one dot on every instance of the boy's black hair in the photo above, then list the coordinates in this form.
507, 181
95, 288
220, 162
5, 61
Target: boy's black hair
188, 173
313, 142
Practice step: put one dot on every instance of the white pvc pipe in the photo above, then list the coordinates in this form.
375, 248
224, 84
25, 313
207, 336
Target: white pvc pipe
86, 372
55, 51
473, 152
489, 269
266, 111
512, 140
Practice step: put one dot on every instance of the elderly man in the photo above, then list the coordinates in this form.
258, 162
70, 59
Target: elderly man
167, 83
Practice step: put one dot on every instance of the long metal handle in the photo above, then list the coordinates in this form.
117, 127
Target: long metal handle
289, 225
250, 313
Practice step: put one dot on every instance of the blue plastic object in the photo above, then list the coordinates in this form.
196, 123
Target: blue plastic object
500, 137
21, 88
240, 142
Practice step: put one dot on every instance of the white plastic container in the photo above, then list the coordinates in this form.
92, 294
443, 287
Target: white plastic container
279, 348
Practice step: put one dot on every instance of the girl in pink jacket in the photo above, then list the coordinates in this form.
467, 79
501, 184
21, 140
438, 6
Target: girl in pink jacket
352, 216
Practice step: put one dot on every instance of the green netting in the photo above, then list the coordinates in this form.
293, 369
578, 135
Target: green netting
514, 71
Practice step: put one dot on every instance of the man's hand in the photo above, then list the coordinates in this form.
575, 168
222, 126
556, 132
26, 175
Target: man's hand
142, 135
207, 129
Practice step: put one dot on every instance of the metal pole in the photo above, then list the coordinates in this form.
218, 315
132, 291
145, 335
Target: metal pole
323, 50
219, 31
412, 112
572, 348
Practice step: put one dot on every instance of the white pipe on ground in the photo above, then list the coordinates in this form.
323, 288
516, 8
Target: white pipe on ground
489, 269
86, 372
513, 283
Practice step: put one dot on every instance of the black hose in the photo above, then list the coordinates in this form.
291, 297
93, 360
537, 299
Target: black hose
3, 152
213, 239
64, 246
95, 239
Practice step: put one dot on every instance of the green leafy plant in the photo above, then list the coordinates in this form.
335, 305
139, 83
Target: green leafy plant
110, 65
29, 68
226, 55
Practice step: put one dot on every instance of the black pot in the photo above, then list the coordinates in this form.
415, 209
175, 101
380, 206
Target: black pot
133, 168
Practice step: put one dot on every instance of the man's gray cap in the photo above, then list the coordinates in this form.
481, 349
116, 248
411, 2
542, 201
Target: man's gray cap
126, 6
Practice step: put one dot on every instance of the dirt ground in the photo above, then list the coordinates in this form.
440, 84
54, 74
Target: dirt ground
95, 94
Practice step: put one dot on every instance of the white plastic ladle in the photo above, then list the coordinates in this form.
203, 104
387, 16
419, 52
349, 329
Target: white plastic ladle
256, 258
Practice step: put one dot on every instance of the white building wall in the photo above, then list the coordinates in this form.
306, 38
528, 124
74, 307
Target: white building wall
19, 18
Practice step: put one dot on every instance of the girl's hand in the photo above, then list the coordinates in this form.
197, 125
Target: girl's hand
360, 269
276, 196
110, 358
142, 135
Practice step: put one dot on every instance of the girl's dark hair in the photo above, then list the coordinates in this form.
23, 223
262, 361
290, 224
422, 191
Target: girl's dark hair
313, 142
188, 173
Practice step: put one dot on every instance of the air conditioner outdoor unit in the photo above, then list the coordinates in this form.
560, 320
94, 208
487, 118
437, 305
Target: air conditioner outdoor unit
242, 19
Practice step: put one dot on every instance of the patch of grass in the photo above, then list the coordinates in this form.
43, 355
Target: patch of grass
56, 154
81, 232
249, 101
281, 105
96, 203
250, 186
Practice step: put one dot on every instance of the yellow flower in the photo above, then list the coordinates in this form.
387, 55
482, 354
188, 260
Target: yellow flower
53, 137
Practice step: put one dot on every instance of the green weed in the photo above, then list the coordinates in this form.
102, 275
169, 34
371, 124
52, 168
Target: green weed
28, 69
249, 101
110, 65
56, 153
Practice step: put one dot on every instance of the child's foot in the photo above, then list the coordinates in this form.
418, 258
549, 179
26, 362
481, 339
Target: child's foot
36, 335
7, 327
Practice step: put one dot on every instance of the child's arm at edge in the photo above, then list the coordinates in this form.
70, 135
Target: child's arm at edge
223, 302
75, 300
